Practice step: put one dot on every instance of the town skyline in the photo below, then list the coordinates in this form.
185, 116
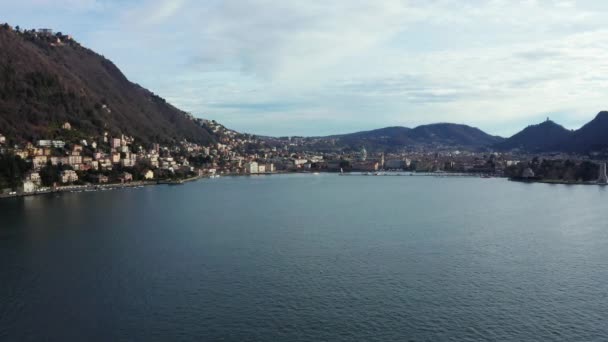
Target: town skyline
323, 75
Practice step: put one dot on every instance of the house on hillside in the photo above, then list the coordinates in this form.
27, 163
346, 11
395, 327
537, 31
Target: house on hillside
68, 176
99, 178
2, 139
33, 177
148, 174
29, 187
125, 177
251, 167
45, 32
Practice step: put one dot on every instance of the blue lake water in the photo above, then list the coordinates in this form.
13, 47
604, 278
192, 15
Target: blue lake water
308, 258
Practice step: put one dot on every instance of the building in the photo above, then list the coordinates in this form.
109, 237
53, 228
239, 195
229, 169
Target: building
261, 168
77, 149
148, 174
2, 139
125, 177
45, 32
100, 179
603, 178
392, 164
297, 163
74, 160
365, 166
68, 176
270, 168
528, 173
33, 177
66, 126
129, 160
51, 143
115, 158
29, 187
38, 162
116, 142
363, 154
251, 167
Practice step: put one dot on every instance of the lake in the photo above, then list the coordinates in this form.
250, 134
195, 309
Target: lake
308, 258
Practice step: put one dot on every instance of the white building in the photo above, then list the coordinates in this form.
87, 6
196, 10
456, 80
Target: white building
148, 174
39, 162
68, 176
29, 187
33, 177
45, 31
2, 139
116, 143
251, 167
394, 164
51, 143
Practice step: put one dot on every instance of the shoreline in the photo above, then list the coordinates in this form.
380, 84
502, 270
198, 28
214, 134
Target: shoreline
555, 182
141, 184
115, 186
101, 187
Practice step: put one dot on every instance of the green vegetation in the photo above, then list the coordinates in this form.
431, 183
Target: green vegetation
557, 170
12, 171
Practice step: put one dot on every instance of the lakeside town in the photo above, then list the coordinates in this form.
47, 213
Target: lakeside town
60, 156
69, 161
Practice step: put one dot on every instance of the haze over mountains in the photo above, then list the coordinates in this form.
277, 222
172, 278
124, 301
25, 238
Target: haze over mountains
48, 79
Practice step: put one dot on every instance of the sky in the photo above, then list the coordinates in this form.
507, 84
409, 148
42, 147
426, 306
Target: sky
321, 67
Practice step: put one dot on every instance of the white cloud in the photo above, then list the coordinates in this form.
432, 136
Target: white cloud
499, 64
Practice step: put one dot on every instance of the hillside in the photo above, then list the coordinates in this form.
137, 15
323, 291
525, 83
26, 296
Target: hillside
434, 135
388, 136
453, 135
591, 137
49, 79
545, 136
551, 137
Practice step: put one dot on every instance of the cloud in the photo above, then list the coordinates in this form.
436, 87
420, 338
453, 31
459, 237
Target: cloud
357, 64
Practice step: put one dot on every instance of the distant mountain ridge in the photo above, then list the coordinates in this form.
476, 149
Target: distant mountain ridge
47, 79
439, 134
536, 138
551, 137
591, 137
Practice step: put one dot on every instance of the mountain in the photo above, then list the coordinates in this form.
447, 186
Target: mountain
434, 135
47, 79
453, 135
591, 137
546, 136
388, 136
551, 137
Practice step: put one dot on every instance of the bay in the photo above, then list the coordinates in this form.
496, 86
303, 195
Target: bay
308, 258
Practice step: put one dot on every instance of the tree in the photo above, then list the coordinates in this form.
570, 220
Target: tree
49, 174
12, 171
